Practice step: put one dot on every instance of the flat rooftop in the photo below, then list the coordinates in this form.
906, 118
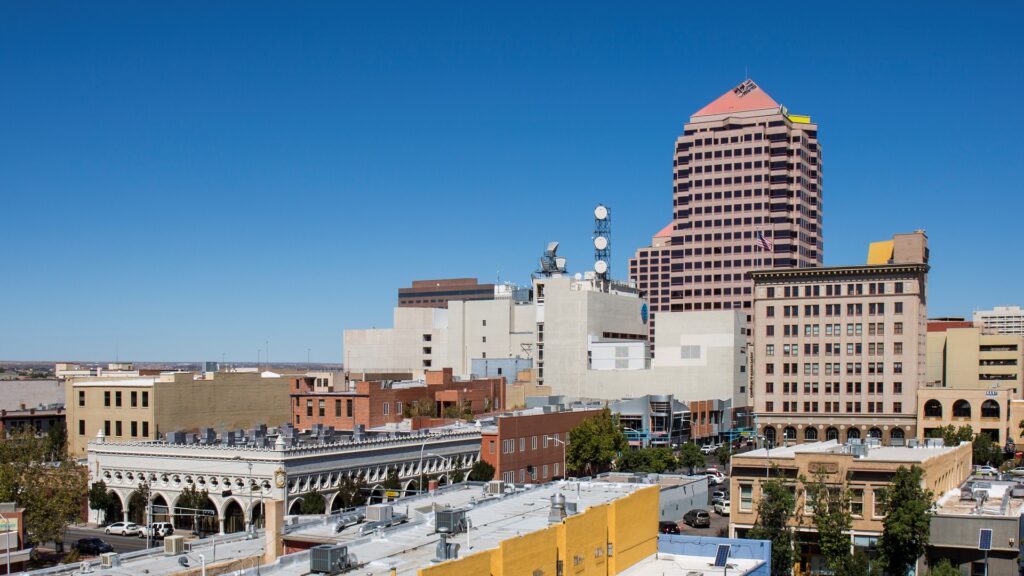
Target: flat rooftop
998, 500
409, 547
874, 453
663, 564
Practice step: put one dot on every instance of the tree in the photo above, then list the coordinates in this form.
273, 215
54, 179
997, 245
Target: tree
692, 456
421, 407
985, 451
944, 568
859, 565
773, 513
99, 498
481, 472
907, 521
951, 435
655, 460
50, 491
57, 441
189, 501
312, 503
594, 444
138, 502
352, 492
832, 519
723, 454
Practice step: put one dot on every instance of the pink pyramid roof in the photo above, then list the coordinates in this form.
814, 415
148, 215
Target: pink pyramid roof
665, 232
743, 98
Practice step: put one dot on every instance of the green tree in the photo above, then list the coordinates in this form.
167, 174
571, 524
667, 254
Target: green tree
51, 491
352, 492
391, 481
774, 510
138, 501
832, 519
907, 521
859, 565
481, 472
985, 451
312, 503
594, 444
421, 407
655, 460
57, 442
723, 454
189, 501
691, 456
944, 568
99, 498
951, 435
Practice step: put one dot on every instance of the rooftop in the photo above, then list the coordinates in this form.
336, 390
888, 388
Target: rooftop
746, 97
983, 498
874, 453
663, 564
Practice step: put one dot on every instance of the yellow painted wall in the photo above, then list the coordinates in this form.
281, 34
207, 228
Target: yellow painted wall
880, 252
585, 542
633, 528
528, 553
479, 563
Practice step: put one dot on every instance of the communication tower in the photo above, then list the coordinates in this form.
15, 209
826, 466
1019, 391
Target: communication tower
602, 241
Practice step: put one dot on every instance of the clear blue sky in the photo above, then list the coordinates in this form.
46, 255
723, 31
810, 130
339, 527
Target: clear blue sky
185, 180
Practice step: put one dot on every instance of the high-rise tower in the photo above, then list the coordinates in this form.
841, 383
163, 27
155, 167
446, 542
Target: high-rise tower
746, 196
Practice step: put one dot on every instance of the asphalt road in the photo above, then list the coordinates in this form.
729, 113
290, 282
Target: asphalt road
120, 543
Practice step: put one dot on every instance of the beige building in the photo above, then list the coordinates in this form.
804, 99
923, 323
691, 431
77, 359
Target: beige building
973, 378
146, 407
1000, 320
840, 351
866, 470
743, 167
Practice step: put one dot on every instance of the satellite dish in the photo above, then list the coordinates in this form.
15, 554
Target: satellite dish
600, 267
601, 212
600, 242
579, 276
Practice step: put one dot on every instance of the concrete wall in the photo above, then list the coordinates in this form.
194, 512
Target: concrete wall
403, 347
675, 501
30, 393
227, 402
955, 538
486, 330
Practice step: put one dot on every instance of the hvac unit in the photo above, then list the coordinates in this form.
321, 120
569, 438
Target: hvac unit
174, 545
496, 487
110, 560
330, 559
450, 521
378, 513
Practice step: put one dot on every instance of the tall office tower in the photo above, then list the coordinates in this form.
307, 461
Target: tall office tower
746, 196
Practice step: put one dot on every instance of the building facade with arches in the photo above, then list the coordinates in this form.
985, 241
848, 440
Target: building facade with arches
237, 479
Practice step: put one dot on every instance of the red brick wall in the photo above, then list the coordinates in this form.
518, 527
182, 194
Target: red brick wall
522, 430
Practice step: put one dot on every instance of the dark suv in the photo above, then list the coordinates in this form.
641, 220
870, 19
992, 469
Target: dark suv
668, 528
93, 546
697, 518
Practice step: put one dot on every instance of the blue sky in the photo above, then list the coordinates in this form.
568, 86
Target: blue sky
185, 180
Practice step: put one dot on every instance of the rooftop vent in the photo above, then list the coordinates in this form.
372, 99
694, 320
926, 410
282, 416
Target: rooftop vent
557, 513
446, 550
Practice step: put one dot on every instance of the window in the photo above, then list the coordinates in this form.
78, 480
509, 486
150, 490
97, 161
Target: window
117, 428
490, 447
81, 427
106, 427
106, 397
533, 445
769, 349
309, 407
897, 407
878, 501
145, 429
897, 348
117, 399
770, 311
81, 397
348, 408
746, 497
545, 471
897, 387
899, 307
145, 399
769, 330
857, 502
897, 328
398, 408
135, 428
558, 469
897, 367
387, 408
522, 444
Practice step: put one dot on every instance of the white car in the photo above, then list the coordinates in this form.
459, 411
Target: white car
716, 479
123, 529
708, 449
722, 508
985, 471
1017, 471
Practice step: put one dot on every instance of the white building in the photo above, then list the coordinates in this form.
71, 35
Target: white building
1000, 320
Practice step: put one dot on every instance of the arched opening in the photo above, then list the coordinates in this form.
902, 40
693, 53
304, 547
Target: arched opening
234, 517
377, 495
990, 409
933, 409
160, 511
875, 433
832, 433
810, 434
114, 511
853, 434
897, 434
295, 507
789, 433
961, 409
200, 519
443, 480
412, 487
257, 515
769, 435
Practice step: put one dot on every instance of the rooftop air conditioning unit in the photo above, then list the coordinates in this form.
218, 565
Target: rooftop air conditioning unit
174, 545
496, 487
110, 560
330, 559
379, 513
452, 521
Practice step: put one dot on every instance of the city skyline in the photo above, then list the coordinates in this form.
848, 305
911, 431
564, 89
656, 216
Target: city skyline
184, 183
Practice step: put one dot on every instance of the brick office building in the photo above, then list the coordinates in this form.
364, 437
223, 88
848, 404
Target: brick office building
529, 446
376, 403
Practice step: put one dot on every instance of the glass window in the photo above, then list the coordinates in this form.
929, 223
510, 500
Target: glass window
746, 497
145, 399
145, 429
878, 503
857, 502
81, 397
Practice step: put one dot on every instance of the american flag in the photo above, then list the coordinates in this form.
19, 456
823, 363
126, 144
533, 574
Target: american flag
765, 243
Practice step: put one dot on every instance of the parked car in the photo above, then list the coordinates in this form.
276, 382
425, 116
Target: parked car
717, 496
668, 528
708, 449
986, 471
157, 530
93, 546
1017, 471
722, 508
697, 518
123, 529
715, 477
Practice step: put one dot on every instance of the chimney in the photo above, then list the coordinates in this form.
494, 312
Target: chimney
557, 513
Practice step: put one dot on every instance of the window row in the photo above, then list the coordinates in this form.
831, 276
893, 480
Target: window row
833, 387
134, 397
811, 407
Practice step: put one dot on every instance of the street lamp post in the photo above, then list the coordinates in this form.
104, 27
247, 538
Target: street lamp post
565, 473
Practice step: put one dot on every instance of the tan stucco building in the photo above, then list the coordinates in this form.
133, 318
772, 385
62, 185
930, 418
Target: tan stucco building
865, 474
973, 378
141, 408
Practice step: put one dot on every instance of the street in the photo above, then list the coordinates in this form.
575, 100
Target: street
120, 543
